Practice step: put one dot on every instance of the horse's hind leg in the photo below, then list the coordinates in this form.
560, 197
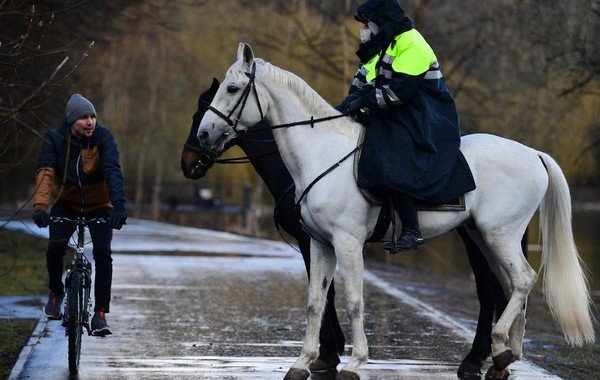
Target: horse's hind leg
517, 330
487, 284
508, 263
331, 337
492, 300
322, 267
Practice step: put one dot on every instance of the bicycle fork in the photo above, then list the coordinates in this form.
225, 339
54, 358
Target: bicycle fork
84, 267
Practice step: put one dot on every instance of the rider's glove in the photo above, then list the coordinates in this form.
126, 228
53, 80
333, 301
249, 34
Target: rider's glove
365, 104
347, 100
356, 107
117, 219
41, 219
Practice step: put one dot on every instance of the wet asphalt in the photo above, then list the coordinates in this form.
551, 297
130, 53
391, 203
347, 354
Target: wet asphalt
237, 312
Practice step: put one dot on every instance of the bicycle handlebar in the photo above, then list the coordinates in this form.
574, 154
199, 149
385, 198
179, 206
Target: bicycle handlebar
62, 219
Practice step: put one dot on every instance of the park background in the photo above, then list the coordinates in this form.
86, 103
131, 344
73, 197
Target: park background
523, 69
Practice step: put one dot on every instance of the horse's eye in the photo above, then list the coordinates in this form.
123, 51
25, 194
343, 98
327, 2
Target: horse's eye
232, 88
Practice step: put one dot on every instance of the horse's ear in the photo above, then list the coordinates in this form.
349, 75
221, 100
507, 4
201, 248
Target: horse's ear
214, 85
245, 54
207, 96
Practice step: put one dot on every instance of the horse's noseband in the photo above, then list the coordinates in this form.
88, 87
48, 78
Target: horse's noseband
241, 103
205, 158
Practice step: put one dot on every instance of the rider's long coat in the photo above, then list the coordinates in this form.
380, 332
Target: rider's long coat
412, 142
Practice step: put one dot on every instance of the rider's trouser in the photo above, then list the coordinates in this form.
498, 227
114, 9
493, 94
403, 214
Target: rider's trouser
407, 210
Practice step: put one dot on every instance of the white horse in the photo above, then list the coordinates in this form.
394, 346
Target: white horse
512, 180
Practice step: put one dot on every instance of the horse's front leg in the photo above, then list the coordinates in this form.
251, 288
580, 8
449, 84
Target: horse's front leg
349, 252
322, 268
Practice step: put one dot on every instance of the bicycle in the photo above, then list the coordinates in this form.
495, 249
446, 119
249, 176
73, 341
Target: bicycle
78, 285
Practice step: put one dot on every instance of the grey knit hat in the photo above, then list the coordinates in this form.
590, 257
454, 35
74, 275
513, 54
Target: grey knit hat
77, 107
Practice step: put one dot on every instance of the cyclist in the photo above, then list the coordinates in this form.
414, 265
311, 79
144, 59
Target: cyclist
79, 168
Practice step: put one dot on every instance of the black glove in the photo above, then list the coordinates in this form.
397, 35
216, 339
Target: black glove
117, 219
347, 100
41, 219
362, 108
355, 107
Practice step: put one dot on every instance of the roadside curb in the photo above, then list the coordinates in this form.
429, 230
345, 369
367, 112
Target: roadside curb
28, 348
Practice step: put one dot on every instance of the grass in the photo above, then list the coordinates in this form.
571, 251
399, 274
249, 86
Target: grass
22, 272
23, 264
14, 334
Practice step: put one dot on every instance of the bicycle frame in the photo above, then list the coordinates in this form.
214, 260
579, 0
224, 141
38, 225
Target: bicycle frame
81, 265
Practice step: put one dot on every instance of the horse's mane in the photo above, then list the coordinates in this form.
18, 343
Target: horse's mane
311, 98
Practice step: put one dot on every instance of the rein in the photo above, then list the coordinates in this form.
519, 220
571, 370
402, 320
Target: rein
329, 170
243, 160
312, 121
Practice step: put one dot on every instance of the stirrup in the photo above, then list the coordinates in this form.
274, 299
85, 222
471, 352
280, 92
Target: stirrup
407, 241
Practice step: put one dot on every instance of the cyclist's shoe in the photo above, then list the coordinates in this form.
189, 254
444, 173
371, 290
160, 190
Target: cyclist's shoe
53, 307
99, 325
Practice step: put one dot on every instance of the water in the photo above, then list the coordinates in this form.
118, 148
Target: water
446, 254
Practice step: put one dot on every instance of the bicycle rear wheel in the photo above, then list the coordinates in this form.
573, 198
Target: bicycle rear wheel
75, 309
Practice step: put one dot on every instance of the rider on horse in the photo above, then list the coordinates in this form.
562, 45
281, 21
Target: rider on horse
411, 147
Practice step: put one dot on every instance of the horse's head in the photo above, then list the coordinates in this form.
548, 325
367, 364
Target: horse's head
195, 160
236, 105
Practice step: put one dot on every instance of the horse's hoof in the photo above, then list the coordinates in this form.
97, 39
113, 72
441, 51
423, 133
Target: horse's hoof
502, 360
470, 370
494, 374
322, 365
347, 375
297, 374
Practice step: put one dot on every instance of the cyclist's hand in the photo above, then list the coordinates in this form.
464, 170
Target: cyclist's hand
117, 219
41, 219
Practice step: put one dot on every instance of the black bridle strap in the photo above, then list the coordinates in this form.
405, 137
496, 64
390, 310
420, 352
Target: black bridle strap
329, 170
312, 121
243, 160
235, 160
222, 116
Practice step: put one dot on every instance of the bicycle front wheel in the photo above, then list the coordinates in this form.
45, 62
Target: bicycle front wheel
75, 310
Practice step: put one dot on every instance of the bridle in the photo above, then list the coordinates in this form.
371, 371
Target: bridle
241, 103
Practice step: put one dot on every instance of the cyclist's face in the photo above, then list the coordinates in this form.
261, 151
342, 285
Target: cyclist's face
84, 126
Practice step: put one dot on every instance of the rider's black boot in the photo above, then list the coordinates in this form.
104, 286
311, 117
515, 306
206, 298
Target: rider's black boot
411, 237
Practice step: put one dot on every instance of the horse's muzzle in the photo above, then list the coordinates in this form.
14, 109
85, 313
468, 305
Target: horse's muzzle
194, 165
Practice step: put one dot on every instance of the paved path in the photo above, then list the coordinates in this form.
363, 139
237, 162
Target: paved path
237, 312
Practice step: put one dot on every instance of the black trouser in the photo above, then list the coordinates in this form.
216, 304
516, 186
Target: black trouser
101, 233
407, 210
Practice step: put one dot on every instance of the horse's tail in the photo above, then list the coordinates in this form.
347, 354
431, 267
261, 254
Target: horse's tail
565, 283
